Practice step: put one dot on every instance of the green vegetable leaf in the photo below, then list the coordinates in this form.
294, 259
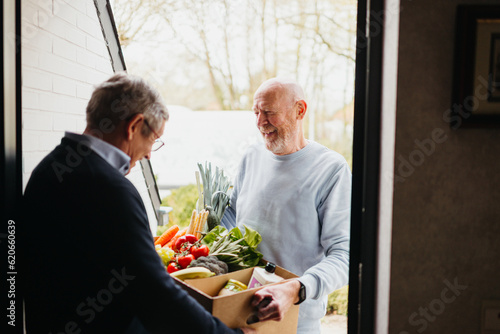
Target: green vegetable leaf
237, 250
236, 233
252, 237
249, 255
214, 235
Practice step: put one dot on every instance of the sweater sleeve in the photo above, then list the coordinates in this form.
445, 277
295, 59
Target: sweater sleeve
334, 215
229, 218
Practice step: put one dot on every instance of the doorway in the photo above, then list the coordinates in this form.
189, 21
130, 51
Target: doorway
366, 151
208, 58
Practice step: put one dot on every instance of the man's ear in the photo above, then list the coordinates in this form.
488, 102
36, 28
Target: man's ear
134, 126
301, 109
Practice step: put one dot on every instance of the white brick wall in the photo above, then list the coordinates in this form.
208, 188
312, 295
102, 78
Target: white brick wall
65, 49
63, 85
63, 56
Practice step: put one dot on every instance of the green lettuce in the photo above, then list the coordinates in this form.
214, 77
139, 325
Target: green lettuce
238, 250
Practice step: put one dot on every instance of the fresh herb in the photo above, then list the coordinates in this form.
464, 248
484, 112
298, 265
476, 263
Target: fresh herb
237, 250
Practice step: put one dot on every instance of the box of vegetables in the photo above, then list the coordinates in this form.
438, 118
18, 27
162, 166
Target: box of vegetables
206, 259
234, 309
231, 261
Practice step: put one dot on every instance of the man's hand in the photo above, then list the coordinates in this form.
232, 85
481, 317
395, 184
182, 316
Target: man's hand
273, 302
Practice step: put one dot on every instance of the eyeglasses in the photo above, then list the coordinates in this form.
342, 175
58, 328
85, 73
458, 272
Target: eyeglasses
158, 142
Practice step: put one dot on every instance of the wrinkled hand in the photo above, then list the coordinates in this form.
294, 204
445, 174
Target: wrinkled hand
273, 302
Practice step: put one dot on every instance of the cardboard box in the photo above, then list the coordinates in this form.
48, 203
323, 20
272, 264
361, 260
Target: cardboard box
234, 310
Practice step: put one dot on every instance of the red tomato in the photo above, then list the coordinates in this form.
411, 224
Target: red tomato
179, 243
198, 251
185, 260
172, 267
185, 242
191, 238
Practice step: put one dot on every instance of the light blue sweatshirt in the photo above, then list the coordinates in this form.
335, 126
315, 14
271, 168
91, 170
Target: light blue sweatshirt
300, 204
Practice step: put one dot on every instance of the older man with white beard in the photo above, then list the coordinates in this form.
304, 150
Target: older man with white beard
296, 193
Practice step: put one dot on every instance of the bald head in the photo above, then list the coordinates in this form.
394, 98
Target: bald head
288, 90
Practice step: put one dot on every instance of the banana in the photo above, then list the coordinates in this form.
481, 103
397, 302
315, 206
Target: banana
191, 273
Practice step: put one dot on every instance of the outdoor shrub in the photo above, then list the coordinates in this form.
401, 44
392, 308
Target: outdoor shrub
337, 301
183, 201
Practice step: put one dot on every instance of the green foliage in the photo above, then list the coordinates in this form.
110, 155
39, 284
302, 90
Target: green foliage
337, 301
183, 201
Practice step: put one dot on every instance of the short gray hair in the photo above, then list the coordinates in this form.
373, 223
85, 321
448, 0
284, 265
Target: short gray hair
123, 96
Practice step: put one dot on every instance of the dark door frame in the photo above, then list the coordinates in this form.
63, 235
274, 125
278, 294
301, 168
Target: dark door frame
10, 161
366, 167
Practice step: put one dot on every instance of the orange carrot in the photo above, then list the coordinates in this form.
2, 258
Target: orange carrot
167, 235
179, 234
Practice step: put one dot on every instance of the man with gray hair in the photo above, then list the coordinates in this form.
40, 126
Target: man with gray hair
296, 193
88, 260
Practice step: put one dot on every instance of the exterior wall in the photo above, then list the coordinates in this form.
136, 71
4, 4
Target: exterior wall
445, 249
64, 56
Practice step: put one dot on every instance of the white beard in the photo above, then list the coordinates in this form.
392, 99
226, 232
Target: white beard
280, 143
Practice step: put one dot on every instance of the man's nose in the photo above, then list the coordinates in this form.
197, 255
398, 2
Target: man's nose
261, 119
